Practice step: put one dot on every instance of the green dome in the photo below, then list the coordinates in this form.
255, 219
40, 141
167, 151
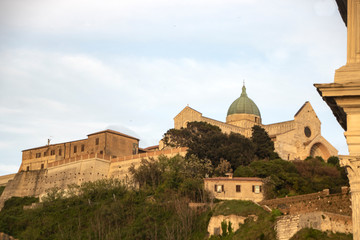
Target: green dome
243, 105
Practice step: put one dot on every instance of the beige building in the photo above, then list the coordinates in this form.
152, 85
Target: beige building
106, 142
235, 188
294, 139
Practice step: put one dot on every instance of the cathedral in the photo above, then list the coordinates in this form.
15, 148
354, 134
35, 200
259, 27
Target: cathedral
293, 140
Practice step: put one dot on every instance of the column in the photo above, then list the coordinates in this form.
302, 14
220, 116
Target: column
352, 165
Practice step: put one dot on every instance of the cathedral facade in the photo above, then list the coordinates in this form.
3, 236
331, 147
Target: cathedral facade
294, 140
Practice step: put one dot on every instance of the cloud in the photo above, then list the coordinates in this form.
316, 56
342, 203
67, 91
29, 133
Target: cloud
8, 169
70, 68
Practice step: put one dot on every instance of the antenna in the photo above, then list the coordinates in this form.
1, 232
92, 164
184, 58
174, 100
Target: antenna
49, 139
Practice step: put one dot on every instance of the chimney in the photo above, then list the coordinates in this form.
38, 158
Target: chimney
230, 175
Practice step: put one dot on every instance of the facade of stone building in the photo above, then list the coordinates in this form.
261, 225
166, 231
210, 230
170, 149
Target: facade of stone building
106, 142
294, 140
235, 188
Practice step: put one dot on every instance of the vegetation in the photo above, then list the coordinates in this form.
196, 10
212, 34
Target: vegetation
236, 207
157, 209
264, 147
105, 210
313, 234
293, 178
206, 141
177, 174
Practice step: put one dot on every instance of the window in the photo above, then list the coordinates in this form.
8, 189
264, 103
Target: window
60, 152
38, 155
82, 147
135, 148
256, 189
97, 141
45, 154
27, 168
75, 149
238, 188
307, 132
42, 166
52, 152
219, 188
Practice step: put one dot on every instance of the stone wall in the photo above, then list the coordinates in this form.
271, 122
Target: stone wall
214, 227
288, 225
4, 236
321, 201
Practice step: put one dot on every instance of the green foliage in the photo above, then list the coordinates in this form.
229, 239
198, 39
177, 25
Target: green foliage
12, 217
237, 207
264, 147
183, 175
106, 210
224, 228
313, 234
2, 188
206, 141
333, 160
292, 178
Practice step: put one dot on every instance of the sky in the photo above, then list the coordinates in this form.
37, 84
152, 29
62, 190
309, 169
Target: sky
73, 67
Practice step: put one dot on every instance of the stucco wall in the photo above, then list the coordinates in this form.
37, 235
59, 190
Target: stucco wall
229, 188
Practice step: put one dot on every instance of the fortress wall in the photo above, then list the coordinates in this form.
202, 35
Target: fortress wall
287, 226
322, 201
5, 178
37, 182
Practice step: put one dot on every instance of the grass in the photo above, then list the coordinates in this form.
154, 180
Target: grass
237, 207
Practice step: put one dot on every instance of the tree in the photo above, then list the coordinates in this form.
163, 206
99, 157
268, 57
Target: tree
206, 141
264, 147
333, 160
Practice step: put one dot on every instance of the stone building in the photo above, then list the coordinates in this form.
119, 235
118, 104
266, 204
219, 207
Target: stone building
235, 188
106, 142
294, 139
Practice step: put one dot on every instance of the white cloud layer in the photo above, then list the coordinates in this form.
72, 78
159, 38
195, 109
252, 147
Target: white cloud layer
69, 68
